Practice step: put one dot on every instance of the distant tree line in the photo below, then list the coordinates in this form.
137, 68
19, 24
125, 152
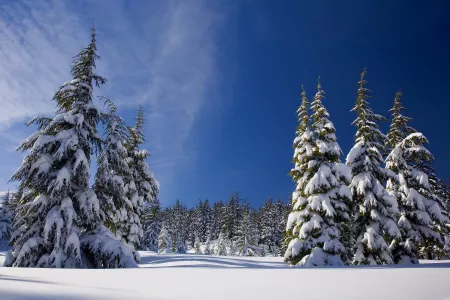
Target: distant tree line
232, 225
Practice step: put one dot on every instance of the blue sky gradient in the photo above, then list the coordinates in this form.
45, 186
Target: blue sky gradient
220, 80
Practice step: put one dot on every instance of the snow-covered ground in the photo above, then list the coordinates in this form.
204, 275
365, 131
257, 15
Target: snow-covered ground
190, 276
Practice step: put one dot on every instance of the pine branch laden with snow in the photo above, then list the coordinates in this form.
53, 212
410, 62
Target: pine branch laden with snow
57, 207
419, 209
320, 202
103, 250
142, 189
374, 208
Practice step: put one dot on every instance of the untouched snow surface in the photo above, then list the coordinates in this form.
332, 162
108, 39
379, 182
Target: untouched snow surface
190, 276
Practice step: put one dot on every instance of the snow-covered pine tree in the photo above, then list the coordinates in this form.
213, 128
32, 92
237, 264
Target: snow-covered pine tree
399, 128
197, 246
190, 226
216, 219
207, 219
320, 202
180, 244
110, 181
270, 219
58, 218
222, 245
303, 153
375, 209
143, 189
438, 190
246, 239
164, 241
5, 217
285, 238
418, 206
231, 216
200, 229
151, 220
207, 250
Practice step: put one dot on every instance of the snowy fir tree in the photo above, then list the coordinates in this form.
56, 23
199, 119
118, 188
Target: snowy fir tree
216, 219
399, 128
375, 209
164, 241
440, 192
419, 209
303, 153
5, 217
197, 246
151, 220
203, 220
180, 244
207, 250
231, 216
110, 181
246, 239
143, 189
270, 225
222, 245
58, 220
320, 202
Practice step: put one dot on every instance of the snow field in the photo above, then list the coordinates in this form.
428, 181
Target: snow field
189, 276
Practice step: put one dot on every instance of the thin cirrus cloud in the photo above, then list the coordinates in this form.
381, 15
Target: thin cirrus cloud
164, 60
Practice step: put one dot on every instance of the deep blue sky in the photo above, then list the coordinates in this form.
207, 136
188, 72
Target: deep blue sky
279, 47
224, 82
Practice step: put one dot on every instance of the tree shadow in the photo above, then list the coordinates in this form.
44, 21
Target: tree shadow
227, 262
38, 281
16, 295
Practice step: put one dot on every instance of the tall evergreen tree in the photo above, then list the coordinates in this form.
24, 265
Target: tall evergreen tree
59, 215
152, 221
321, 197
399, 128
110, 181
417, 203
216, 219
207, 250
143, 188
246, 239
197, 246
231, 216
200, 228
164, 241
222, 245
375, 208
5, 217
271, 226
303, 153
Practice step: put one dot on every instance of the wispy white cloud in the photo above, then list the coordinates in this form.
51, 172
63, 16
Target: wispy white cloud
161, 55
38, 40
